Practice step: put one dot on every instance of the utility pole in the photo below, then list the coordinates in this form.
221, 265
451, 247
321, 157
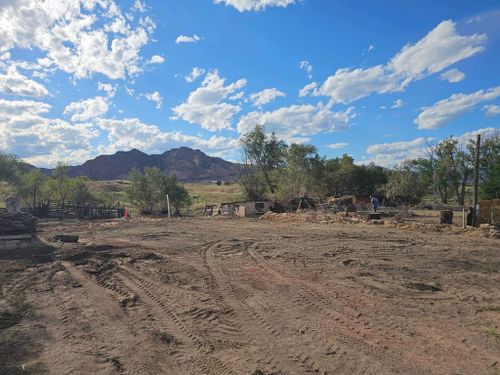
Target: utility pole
476, 182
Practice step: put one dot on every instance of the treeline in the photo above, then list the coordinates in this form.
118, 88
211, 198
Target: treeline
277, 171
33, 187
147, 192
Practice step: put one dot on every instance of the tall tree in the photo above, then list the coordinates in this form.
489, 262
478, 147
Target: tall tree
262, 156
30, 187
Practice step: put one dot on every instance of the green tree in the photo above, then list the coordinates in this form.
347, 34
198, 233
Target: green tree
149, 192
303, 173
59, 184
490, 168
31, 186
178, 196
262, 156
405, 184
79, 190
10, 168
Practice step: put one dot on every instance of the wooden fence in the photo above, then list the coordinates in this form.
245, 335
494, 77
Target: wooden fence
68, 210
489, 212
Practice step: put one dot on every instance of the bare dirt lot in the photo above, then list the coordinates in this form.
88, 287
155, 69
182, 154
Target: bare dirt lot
243, 296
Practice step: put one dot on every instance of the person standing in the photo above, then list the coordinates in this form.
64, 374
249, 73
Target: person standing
374, 202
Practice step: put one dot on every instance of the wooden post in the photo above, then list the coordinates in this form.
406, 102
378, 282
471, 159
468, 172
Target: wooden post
464, 219
168, 206
476, 182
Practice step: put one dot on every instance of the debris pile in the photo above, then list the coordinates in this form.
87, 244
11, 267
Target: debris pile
14, 224
313, 217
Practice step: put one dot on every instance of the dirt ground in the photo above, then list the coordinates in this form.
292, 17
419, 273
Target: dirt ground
245, 296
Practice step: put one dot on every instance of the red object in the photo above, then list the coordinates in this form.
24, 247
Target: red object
126, 214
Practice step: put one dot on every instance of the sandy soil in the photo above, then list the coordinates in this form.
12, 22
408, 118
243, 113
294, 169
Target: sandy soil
242, 296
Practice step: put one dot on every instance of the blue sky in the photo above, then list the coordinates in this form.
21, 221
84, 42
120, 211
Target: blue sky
378, 80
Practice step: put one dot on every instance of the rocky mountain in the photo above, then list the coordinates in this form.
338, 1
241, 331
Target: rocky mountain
186, 163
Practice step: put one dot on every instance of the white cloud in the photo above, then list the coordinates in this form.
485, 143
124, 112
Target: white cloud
195, 73
263, 97
310, 87
337, 146
26, 132
453, 75
484, 132
297, 120
446, 110
108, 88
140, 6
78, 37
254, 5
492, 110
390, 154
156, 59
133, 133
155, 97
439, 49
205, 106
187, 39
87, 109
307, 67
14, 83
398, 103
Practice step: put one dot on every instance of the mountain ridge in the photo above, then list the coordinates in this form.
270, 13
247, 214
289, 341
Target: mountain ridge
189, 165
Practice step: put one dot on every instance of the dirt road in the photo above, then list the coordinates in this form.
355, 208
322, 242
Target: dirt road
218, 296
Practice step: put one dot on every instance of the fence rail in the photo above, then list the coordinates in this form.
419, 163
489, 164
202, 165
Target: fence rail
489, 212
67, 210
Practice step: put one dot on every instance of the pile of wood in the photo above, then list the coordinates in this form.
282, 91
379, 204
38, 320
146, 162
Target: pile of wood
19, 223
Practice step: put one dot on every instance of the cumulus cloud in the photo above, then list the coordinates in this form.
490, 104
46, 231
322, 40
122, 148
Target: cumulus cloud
446, 110
155, 97
26, 131
133, 133
492, 110
439, 49
195, 73
14, 83
307, 67
187, 39
156, 59
87, 109
398, 103
297, 120
307, 89
453, 75
337, 146
390, 154
254, 5
78, 37
263, 97
108, 88
206, 107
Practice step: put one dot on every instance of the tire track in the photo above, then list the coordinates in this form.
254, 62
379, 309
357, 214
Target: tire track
209, 364
309, 297
223, 283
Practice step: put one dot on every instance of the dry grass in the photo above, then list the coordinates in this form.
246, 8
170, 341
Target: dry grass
203, 193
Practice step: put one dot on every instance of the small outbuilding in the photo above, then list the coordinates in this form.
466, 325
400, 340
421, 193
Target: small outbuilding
245, 209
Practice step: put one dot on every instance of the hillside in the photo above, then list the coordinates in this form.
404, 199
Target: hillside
186, 163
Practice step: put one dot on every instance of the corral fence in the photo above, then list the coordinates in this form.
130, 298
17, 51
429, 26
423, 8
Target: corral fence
74, 210
489, 212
